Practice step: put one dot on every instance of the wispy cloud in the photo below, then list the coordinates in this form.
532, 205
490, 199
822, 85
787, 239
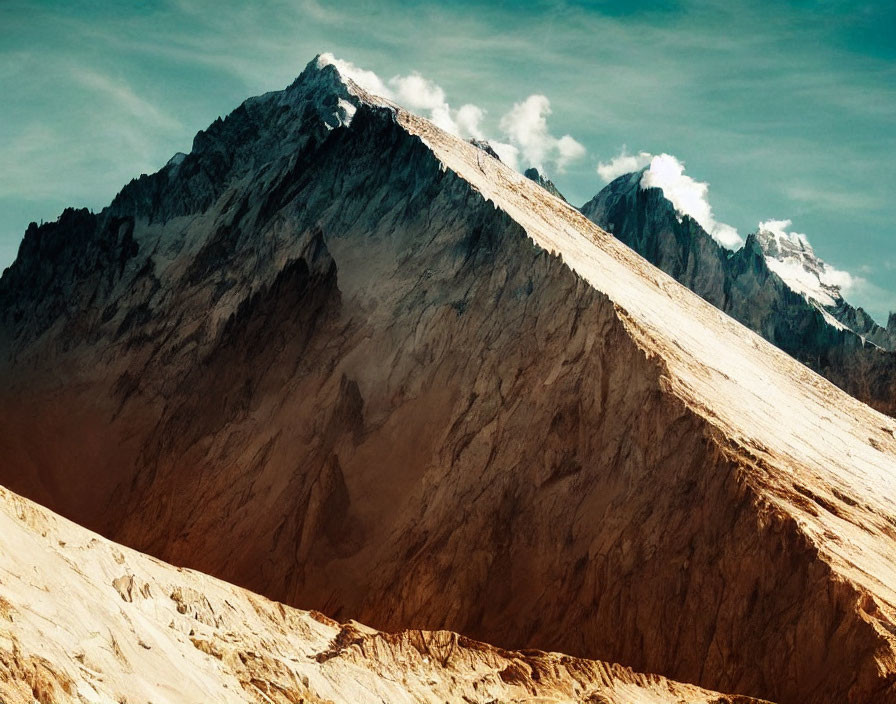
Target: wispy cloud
124, 99
833, 198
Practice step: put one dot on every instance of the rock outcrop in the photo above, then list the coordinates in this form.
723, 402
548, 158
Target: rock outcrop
358, 365
824, 332
535, 175
85, 620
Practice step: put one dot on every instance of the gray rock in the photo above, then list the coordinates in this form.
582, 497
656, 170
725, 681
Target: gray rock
857, 355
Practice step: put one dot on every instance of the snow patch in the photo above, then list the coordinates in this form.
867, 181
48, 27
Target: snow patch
348, 111
791, 257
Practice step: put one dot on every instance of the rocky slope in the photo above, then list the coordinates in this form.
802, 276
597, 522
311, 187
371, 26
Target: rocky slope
356, 364
85, 620
771, 285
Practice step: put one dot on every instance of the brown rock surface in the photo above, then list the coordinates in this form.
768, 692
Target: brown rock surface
393, 380
85, 620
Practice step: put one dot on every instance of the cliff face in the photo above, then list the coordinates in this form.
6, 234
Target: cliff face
84, 619
364, 367
826, 333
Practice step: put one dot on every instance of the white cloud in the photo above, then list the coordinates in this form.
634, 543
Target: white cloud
469, 119
508, 153
526, 127
568, 151
688, 196
622, 164
526, 135
418, 93
367, 80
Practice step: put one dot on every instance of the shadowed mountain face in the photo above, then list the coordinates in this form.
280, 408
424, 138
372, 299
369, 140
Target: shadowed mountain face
830, 336
356, 364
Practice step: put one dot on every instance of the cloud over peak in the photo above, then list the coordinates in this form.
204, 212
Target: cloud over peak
690, 197
623, 163
367, 80
525, 139
779, 229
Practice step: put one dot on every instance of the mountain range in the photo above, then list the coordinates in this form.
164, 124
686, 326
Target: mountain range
774, 285
346, 360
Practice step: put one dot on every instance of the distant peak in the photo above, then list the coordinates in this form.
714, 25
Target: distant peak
535, 175
779, 243
791, 257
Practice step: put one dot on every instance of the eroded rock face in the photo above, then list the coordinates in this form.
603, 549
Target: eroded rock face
826, 333
84, 619
366, 368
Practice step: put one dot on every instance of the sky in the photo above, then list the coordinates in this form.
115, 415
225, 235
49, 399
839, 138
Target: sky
756, 111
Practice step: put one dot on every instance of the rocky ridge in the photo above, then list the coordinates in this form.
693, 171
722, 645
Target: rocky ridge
432, 395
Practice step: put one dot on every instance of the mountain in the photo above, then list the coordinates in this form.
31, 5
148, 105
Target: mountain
535, 175
83, 619
356, 364
792, 258
775, 285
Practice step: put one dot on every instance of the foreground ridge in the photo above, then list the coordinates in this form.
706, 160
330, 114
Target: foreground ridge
83, 619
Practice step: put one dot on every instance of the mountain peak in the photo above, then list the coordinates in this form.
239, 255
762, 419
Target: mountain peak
324, 361
535, 175
791, 257
335, 95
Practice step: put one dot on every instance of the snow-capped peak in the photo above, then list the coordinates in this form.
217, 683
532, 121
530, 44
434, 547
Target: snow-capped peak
337, 88
791, 257
362, 78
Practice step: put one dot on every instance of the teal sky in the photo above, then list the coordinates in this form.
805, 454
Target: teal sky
787, 109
